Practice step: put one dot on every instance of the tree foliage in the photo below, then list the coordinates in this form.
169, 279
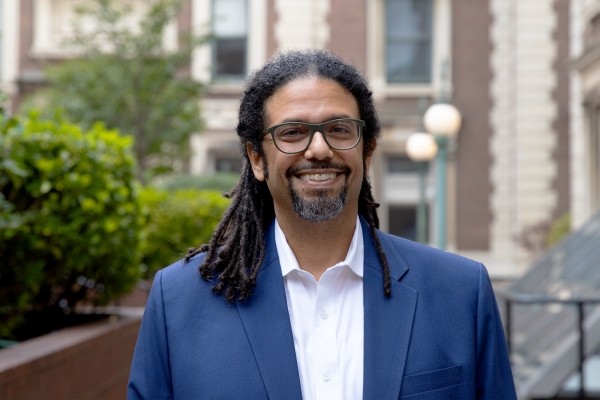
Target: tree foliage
126, 78
540, 237
69, 217
559, 229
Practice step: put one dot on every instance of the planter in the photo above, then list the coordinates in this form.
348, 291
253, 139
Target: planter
90, 361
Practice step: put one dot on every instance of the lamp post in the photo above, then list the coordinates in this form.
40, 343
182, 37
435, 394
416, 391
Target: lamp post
443, 121
421, 148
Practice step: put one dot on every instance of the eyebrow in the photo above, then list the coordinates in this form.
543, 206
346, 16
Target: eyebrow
330, 118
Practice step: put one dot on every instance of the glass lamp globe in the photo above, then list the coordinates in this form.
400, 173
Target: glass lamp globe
421, 146
442, 119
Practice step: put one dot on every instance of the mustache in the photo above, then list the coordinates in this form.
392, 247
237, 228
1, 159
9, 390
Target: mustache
316, 165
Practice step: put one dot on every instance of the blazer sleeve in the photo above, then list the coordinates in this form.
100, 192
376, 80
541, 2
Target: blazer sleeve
494, 374
150, 376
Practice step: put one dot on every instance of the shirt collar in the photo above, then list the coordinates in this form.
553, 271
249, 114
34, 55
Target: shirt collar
354, 258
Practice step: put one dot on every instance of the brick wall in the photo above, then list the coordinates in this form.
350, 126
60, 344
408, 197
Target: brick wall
348, 22
471, 48
271, 21
26, 63
184, 22
28, 67
85, 362
561, 96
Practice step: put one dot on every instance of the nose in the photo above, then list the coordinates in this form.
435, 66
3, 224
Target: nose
318, 148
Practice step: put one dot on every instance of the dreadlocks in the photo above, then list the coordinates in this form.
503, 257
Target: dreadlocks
237, 248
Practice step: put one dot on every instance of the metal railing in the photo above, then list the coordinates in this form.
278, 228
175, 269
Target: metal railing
521, 298
543, 333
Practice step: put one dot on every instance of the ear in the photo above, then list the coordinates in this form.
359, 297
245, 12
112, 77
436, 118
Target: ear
368, 158
257, 163
369, 154
367, 163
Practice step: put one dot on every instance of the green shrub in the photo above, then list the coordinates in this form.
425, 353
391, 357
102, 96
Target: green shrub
69, 217
222, 181
176, 221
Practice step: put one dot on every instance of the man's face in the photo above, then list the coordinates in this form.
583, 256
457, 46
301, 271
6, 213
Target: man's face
319, 183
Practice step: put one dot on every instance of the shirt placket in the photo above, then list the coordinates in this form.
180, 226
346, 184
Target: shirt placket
326, 369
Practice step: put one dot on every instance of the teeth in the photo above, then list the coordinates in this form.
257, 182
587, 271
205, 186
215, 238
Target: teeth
317, 177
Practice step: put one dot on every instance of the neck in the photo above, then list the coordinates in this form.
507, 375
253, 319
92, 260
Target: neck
318, 245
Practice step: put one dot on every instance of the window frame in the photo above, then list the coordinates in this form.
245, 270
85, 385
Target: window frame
229, 78
427, 38
376, 48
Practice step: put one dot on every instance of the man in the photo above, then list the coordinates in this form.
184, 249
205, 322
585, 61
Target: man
309, 300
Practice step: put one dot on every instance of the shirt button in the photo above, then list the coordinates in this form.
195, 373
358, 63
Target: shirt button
326, 376
324, 314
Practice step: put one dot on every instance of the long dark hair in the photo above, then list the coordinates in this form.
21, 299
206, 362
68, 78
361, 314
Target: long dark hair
237, 248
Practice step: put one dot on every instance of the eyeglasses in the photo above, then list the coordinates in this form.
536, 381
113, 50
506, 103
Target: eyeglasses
295, 137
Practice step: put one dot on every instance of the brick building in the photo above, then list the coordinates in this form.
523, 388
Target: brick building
507, 62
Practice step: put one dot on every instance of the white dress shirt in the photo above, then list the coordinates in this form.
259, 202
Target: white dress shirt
327, 320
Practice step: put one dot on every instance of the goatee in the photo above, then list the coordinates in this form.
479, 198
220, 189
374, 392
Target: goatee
321, 207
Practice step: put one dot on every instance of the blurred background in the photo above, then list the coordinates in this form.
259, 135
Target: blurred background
118, 138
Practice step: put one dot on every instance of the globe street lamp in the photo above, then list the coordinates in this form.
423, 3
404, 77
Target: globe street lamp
421, 148
443, 121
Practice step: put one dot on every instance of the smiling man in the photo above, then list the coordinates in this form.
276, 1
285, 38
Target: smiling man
298, 295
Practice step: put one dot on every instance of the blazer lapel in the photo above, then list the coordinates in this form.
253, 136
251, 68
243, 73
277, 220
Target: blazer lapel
388, 322
267, 323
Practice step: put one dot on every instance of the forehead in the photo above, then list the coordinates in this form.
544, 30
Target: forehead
310, 99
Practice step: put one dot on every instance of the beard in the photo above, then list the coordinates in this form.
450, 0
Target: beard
322, 206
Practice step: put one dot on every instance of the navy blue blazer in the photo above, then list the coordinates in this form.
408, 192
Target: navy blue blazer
439, 335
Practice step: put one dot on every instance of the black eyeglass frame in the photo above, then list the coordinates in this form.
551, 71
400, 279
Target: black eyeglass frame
316, 128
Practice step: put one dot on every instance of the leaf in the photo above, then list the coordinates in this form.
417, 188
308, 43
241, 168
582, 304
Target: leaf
48, 236
45, 188
13, 167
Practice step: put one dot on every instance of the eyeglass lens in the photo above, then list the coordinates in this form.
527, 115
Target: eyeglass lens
294, 137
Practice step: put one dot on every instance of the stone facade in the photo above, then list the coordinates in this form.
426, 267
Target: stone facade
523, 114
585, 108
302, 24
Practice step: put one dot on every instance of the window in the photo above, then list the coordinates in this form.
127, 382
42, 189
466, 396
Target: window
401, 165
408, 31
230, 30
229, 164
403, 221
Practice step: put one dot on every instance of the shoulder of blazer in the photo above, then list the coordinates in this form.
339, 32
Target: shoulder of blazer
423, 259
